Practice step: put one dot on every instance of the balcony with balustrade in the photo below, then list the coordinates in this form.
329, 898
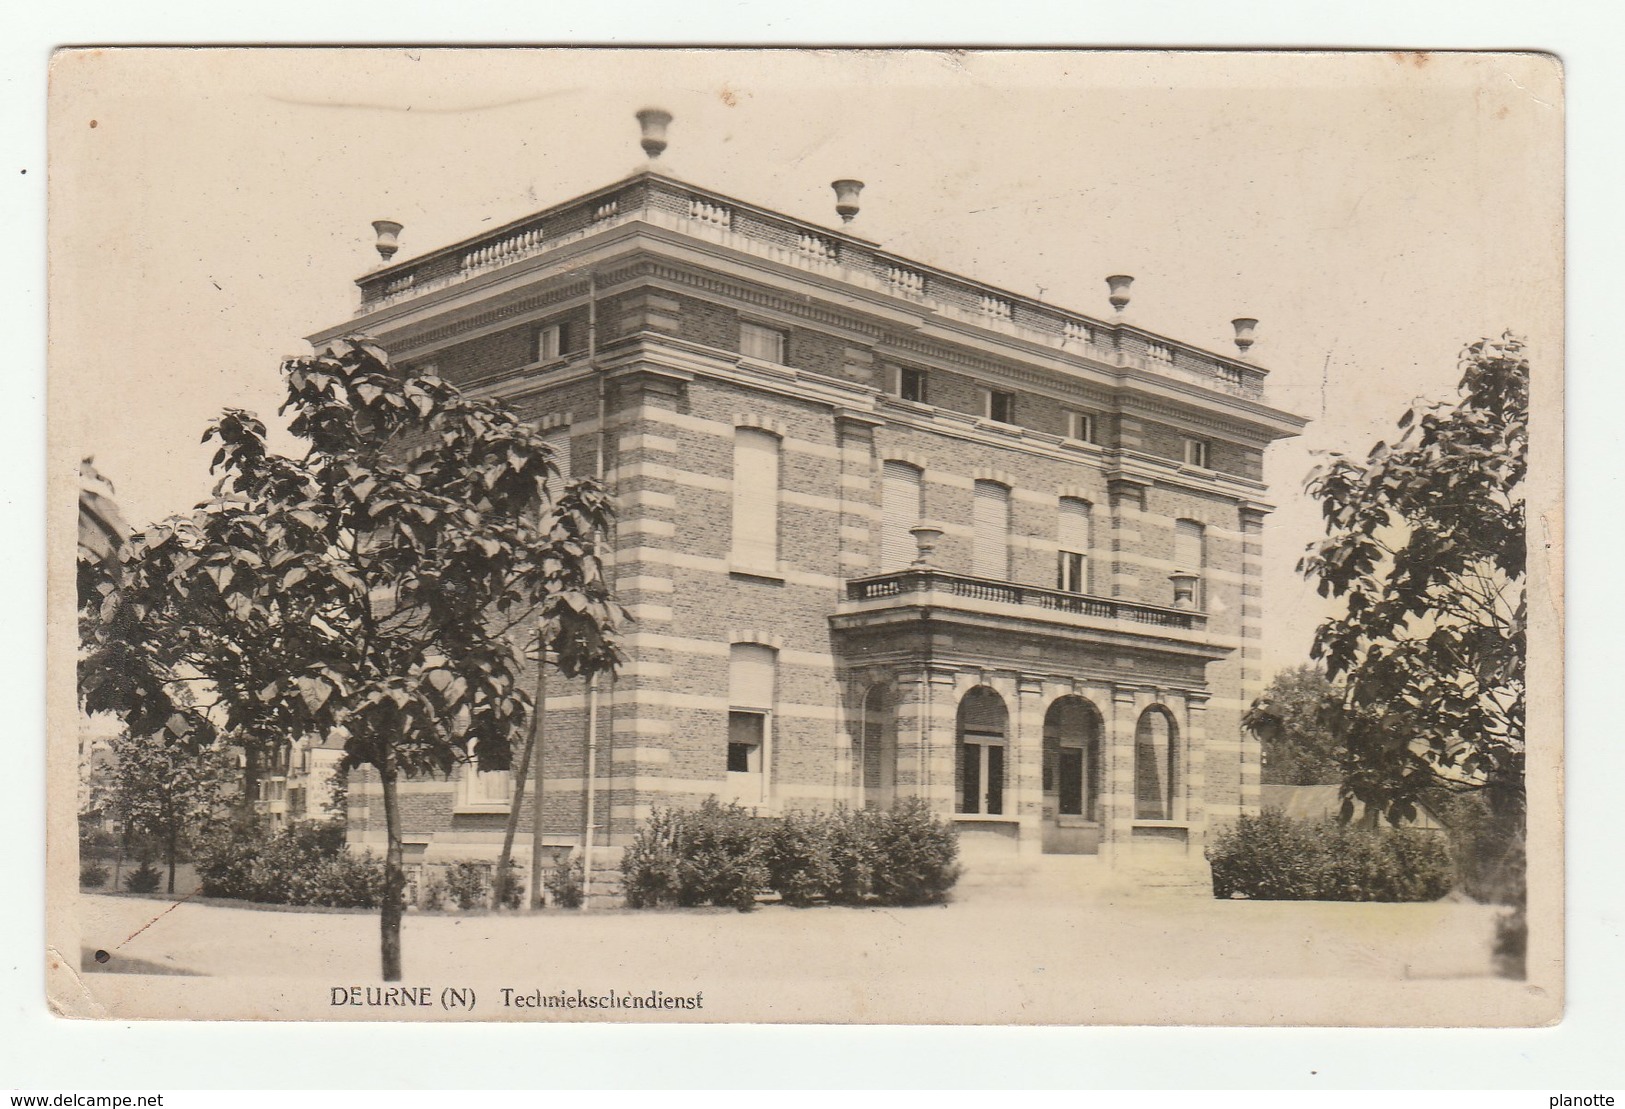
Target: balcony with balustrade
935, 600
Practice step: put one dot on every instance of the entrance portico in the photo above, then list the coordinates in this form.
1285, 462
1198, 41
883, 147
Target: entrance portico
1031, 726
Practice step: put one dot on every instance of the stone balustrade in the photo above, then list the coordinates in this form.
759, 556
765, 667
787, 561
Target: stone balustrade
916, 579
663, 202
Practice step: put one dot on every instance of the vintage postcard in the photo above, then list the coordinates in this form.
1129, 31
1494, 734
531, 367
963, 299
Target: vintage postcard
872, 536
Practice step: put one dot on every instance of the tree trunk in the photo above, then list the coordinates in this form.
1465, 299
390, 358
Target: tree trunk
169, 852
389, 913
539, 742
500, 882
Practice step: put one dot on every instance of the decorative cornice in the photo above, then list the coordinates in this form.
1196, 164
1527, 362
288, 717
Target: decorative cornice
841, 323
464, 327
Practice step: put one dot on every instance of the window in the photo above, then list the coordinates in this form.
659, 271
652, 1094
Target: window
1156, 765
1190, 556
756, 501
1072, 538
902, 504
981, 751
558, 442
991, 530
1080, 426
1197, 453
751, 669
746, 731
999, 407
761, 343
911, 385
483, 790
552, 342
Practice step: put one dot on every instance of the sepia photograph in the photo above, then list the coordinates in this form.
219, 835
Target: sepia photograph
953, 537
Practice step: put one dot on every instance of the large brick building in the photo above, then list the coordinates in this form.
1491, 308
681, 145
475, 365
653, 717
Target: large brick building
885, 531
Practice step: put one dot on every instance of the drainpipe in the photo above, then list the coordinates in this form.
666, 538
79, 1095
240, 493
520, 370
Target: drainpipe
539, 745
590, 782
591, 792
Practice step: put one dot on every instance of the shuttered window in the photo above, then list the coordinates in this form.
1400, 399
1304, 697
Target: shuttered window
764, 343
750, 676
558, 442
756, 500
901, 507
1072, 538
991, 523
1190, 555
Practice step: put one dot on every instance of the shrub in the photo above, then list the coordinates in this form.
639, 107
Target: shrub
345, 881
468, 884
852, 850
915, 855
721, 855
650, 867
93, 875
566, 884
434, 894
144, 879
1266, 856
713, 855
303, 864
798, 856
513, 889
1423, 867
226, 854
1273, 858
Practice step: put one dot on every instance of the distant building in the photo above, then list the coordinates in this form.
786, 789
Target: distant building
1325, 802
886, 530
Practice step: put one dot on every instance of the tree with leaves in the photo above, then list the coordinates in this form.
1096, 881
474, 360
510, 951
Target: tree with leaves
378, 587
1425, 548
1295, 720
160, 787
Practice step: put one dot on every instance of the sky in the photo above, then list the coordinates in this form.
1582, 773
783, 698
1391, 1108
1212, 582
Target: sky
1375, 212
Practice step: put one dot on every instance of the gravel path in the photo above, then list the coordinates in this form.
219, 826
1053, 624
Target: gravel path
1008, 939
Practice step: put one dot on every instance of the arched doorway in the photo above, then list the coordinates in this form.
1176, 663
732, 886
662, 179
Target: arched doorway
1072, 772
877, 749
1156, 765
979, 764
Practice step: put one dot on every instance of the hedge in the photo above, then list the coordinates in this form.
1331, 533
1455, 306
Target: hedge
723, 855
303, 864
1274, 858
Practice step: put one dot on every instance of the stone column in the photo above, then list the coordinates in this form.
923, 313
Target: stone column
1195, 791
1117, 802
1026, 784
942, 718
910, 712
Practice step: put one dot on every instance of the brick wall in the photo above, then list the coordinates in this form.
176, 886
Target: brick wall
669, 452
